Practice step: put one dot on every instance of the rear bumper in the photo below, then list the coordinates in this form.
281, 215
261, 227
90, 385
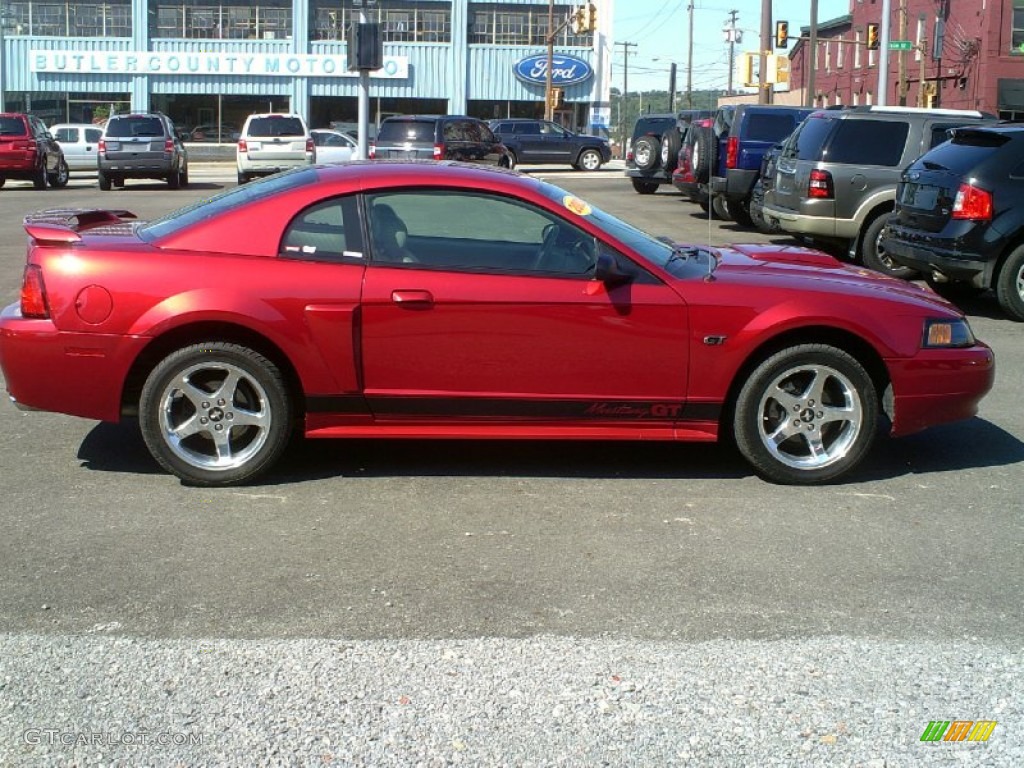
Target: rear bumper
657, 176
939, 385
267, 167
81, 374
955, 265
736, 185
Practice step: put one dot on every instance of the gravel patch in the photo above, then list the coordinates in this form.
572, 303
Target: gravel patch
547, 701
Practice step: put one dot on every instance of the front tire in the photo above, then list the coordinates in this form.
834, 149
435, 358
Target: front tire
808, 414
1010, 284
215, 414
589, 160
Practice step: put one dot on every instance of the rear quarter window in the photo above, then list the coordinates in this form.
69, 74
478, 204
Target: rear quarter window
963, 153
868, 142
809, 139
771, 128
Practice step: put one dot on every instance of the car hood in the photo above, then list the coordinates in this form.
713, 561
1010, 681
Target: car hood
809, 269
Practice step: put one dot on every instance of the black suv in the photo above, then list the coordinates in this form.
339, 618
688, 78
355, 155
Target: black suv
654, 148
439, 137
142, 146
29, 152
959, 215
543, 142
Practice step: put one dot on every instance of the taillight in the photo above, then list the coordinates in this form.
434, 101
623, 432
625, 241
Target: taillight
371, 152
169, 146
33, 293
242, 147
629, 156
311, 147
972, 203
439, 151
732, 152
101, 147
820, 185
24, 145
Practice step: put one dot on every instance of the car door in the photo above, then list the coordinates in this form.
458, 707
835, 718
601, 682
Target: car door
490, 312
557, 142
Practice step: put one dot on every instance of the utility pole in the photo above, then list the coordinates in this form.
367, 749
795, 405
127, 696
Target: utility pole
689, 61
883, 55
811, 57
922, 47
549, 110
672, 87
901, 66
733, 15
624, 113
764, 94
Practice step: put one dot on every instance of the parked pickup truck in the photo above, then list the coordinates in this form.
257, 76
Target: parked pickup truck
542, 142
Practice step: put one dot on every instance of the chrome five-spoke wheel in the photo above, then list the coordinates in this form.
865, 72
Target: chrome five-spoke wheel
215, 414
807, 414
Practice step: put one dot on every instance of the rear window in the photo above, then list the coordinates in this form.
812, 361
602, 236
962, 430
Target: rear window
771, 128
809, 138
236, 197
964, 152
868, 142
12, 126
266, 127
657, 125
135, 126
400, 131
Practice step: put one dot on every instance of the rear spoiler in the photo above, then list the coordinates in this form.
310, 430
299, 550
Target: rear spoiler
63, 225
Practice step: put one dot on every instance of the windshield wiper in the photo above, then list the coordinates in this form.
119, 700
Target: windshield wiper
682, 253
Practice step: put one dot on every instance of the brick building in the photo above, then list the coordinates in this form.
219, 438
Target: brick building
968, 54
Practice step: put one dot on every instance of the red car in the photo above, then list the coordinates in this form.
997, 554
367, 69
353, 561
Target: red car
439, 300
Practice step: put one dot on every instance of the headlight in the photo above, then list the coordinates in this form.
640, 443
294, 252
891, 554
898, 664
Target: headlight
947, 333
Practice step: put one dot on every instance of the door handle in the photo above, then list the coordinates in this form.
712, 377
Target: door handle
419, 298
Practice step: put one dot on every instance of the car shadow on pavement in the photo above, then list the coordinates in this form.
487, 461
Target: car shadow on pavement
971, 444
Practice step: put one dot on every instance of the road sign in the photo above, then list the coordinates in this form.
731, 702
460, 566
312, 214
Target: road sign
900, 45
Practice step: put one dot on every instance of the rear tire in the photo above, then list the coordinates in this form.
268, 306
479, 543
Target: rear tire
174, 179
670, 149
739, 212
873, 255
243, 178
215, 414
645, 187
104, 181
1010, 284
720, 209
39, 176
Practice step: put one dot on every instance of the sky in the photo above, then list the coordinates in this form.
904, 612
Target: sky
661, 29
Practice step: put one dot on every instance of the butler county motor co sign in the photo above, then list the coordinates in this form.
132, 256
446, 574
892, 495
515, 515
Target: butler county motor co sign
164, 63
565, 69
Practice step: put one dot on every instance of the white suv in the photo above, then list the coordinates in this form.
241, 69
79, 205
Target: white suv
273, 142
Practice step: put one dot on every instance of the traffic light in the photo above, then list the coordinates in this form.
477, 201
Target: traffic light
782, 34
556, 98
579, 20
873, 41
591, 17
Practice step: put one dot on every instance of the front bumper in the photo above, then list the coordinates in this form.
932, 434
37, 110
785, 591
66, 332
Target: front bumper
937, 386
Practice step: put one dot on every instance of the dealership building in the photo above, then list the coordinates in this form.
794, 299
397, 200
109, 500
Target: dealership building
211, 65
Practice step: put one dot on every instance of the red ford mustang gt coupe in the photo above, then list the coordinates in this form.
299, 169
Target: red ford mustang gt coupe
436, 300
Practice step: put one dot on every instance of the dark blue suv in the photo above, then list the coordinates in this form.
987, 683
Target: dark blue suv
743, 137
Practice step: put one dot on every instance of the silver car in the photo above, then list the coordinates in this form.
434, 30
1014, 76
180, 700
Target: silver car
79, 142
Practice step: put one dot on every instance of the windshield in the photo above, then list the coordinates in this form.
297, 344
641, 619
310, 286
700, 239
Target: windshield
658, 252
229, 200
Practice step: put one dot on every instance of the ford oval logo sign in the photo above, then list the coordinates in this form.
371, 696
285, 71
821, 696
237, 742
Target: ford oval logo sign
565, 69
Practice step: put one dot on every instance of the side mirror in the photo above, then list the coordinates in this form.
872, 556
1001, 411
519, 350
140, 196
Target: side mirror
608, 270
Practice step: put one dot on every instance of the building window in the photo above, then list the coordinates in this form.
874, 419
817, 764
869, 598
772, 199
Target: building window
521, 25
69, 19
1017, 33
856, 50
840, 53
266, 20
401, 22
920, 37
828, 56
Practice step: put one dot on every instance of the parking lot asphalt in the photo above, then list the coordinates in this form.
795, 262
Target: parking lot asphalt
637, 544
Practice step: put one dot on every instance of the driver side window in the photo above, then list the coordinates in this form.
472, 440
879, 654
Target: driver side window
473, 231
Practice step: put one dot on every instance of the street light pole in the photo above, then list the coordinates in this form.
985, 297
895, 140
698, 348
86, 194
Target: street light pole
3, 57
